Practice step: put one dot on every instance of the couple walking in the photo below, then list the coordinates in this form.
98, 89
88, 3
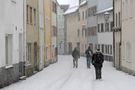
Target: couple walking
96, 59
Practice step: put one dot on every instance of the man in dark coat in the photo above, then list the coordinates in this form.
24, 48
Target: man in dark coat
97, 61
76, 55
88, 54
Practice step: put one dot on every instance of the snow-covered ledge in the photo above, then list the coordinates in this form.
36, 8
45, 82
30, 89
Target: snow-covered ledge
9, 66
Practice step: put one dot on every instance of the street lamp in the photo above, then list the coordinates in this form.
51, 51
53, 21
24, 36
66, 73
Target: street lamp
106, 17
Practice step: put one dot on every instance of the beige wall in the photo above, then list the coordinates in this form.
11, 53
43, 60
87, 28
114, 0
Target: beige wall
117, 10
128, 26
72, 27
48, 30
83, 23
32, 37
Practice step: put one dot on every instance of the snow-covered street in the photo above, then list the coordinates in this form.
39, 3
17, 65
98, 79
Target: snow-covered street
62, 76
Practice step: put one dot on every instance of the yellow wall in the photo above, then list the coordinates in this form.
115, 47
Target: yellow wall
48, 29
32, 36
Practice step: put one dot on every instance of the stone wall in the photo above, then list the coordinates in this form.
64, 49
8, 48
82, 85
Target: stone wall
9, 75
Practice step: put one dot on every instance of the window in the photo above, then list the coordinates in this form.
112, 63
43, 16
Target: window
92, 11
83, 31
93, 31
78, 16
27, 14
98, 46
119, 20
102, 27
83, 15
98, 27
111, 27
116, 20
54, 7
9, 49
106, 49
30, 15
110, 49
102, 48
35, 17
106, 27
86, 14
28, 52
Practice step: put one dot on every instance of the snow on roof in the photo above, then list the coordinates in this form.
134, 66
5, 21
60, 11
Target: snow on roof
105, 10
82, 3
71, 10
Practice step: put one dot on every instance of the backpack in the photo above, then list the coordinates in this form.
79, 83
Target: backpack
99, 58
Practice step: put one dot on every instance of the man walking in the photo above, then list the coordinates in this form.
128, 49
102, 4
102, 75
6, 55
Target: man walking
88, 53
76, 55
97, 61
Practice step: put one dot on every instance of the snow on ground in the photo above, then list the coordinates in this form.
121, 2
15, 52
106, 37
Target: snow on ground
61, 76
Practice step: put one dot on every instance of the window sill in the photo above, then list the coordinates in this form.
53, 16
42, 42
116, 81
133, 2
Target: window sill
8, 67
27, 65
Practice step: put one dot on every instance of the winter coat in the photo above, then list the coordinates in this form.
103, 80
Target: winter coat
76, 54
97, 59
88, 53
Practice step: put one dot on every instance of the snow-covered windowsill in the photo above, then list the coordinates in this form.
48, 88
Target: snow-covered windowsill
27, 65
9, 66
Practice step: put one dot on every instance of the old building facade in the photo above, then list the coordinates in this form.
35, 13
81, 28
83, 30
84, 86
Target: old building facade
32, 37
41, 34
48, 31
72, 34
104, 28
61, 28
11, 37
123, 27
117, 33
82, 16
54, 31
128, 45
92, 24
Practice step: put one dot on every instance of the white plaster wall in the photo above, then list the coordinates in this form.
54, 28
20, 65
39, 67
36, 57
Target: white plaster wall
41, 32
60, 29
12, 23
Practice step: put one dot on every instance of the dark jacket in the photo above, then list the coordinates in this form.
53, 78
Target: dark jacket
88, 53
76, 54
97, 59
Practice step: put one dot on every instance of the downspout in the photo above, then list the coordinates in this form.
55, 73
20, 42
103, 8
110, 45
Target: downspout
121, 35
24, 35
113, 34
57, 30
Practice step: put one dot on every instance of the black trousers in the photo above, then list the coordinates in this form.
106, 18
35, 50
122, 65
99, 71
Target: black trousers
98, 72
75, 63
88, 62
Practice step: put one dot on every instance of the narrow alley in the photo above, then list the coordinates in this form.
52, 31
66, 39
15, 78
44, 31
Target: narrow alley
62, 76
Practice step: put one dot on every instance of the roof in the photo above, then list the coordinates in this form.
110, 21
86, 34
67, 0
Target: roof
82, 3
71, 10
105, 10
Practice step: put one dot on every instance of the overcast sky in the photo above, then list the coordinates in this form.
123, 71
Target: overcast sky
71, 2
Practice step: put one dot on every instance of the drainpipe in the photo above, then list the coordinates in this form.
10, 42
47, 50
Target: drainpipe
113, 34
121, 35
24, 35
